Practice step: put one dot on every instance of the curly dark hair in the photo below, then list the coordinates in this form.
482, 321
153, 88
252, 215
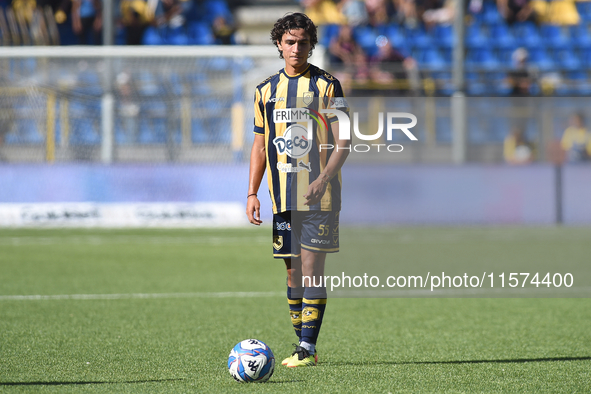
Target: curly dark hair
293, 21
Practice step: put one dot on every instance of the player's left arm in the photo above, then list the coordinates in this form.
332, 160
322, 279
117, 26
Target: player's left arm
338, 157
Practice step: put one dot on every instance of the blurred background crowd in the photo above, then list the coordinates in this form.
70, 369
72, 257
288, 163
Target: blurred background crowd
514, 47
391, 48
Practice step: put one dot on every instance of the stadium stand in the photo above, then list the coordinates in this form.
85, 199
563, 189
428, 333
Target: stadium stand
558, 57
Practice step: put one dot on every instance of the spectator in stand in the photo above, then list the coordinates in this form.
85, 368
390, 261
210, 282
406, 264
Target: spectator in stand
516, 11
354, 12
516, 148
223, 31
24, 9
135, 17
87, 21
348, 58
519, 78
379, 11
323, 12
437, 12
169, 13
388, 64
556, 12
576, 140
405, 13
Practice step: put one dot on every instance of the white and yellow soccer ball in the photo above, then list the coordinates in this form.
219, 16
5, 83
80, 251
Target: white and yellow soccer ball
251, 361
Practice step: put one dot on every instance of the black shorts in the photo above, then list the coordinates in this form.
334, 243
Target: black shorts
317, 231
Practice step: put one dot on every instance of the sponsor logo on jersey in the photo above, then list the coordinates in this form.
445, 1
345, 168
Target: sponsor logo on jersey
320, 241
276, 99
283, 226
287, 167
305, 166
338, 102
294, 142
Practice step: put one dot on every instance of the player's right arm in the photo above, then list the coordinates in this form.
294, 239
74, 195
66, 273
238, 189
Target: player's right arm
258, 162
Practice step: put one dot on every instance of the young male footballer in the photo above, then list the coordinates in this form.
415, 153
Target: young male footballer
303, 156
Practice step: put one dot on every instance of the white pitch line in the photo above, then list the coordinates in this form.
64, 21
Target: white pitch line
447, 293
229, 294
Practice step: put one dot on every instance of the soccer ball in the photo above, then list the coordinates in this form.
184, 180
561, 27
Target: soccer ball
251, 361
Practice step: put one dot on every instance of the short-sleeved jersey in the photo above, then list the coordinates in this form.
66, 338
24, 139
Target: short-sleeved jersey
289, 177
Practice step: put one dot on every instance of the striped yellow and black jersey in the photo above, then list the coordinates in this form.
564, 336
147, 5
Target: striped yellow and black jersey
289, 174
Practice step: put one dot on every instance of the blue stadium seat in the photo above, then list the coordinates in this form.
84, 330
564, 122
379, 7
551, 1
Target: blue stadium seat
541, 59
418, 38
490, 13
556, 37
527, 35
505, 56
330, 31
475, 37
199, 82
430, 59
395, 34
366, 38
176, 36
174, 83
584, 9
153, 126
88, 84
66, 33
482, 58
148, 85
152, 37
580, 35
443, 36
216, 8
199, 132
499, 83
26, 131
84, 122
200, 34
502, 37
567, 60
120, 35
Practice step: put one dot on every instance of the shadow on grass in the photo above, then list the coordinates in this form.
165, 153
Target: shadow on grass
83, 383
500, 361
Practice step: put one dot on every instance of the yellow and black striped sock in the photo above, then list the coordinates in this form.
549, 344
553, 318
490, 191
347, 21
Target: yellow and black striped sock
294, 299
313, 306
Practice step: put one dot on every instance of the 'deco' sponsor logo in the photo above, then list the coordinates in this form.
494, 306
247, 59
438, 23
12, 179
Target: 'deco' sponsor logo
296, 142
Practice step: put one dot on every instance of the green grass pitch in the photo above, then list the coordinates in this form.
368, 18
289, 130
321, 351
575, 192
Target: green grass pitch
179, 343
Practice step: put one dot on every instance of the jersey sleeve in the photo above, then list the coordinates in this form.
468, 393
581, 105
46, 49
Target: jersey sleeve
336, 100
259, 121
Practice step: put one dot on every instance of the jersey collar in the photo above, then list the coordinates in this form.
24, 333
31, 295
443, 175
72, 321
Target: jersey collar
296, 75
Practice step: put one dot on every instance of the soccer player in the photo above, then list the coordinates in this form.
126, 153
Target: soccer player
304, 179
